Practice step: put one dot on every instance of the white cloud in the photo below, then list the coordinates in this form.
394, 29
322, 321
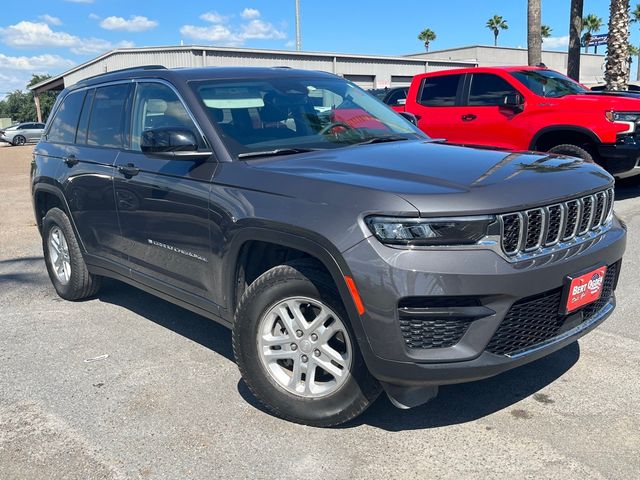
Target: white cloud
51, 20
31, 34
135, 23
40, 35
250, 13
98, 45
556, 43
37, 63
15, 72
290, 44
93, 16
213, 17
221, 32
260, 30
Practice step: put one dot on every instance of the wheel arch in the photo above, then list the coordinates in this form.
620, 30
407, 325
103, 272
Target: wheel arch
546, 134
327, 256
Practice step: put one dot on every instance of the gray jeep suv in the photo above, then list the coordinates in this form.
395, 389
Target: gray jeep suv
348, 252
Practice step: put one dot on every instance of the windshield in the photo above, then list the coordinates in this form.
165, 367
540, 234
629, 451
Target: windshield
298, 113
548, 83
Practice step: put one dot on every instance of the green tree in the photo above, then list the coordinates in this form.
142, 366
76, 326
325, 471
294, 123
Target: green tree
635, 18
495, 24
427, 36
545, 31
617, 68
20, 107
592, 24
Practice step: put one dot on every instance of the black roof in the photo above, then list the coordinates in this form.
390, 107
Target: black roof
201, 73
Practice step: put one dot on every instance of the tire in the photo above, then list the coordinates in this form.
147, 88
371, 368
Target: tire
19, 140
65, 264
318, 400
572, 151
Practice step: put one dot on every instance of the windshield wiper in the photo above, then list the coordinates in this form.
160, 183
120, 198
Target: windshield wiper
386, 138
276, 152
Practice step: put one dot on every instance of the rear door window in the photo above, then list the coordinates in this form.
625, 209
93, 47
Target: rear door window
439, 91
64, 124
489, 90
106, 122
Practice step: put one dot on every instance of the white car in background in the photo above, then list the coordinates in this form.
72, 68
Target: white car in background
22, 133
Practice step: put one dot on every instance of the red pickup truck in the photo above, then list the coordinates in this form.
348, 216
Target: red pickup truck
529, 108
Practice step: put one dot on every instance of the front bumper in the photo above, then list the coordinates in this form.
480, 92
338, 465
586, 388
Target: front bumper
386, 276
621, 159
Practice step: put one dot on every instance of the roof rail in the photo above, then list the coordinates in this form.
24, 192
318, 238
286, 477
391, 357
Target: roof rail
140, 67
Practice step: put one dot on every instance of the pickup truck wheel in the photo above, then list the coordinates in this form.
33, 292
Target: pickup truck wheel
19, 140
296, 350
572, 151
63, 258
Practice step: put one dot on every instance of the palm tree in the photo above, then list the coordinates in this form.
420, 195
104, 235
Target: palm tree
495, 24
592, 24
575, 30
635, 18
634, 52
534, 33
545, 31
427, 36
617, 70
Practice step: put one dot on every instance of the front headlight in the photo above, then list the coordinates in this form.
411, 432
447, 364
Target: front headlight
436, 231
630, 119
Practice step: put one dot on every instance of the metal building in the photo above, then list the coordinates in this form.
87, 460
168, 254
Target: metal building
368, 71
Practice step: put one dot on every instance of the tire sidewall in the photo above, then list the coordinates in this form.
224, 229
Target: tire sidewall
56, 218
284, 403
572, 151
18, 143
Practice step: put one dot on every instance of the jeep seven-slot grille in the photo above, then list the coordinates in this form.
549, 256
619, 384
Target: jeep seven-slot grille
532, 230
536, 319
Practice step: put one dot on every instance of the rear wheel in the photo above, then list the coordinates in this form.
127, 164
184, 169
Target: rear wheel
572, 151
296, 350
19, 140
65, 264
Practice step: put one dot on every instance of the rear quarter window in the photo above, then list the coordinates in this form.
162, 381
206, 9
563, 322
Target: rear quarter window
64, 124
440, 91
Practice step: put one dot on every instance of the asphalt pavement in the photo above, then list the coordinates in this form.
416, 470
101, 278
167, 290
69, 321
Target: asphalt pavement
126, 385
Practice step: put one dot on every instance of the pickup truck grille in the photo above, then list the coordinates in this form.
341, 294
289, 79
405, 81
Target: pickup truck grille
532, 230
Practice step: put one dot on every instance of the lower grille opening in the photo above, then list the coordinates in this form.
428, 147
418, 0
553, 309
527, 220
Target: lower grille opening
536, 319
437, 322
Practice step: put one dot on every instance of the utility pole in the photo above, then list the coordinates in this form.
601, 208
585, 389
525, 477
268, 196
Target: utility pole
298, 38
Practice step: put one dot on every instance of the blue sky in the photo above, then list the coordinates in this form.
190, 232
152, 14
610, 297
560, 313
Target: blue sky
50, 36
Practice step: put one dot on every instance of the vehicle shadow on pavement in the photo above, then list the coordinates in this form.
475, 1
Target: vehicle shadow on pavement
190, 325
466, 402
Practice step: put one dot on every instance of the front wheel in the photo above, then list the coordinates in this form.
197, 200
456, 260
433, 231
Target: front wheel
19, 140
572, 151
296, 350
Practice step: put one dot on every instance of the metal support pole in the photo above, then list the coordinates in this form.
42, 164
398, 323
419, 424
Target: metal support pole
36, 99
298, 37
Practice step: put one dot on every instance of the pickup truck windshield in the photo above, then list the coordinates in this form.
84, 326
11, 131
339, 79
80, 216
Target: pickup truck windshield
297, 114
548, 83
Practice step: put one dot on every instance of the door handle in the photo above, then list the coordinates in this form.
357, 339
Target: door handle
468, 117
129, 170
71, 160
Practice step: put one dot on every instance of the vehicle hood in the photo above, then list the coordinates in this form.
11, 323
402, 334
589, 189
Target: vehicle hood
602, 101
442, 179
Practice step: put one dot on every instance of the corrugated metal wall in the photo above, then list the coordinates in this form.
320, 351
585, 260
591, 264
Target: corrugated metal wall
381, 69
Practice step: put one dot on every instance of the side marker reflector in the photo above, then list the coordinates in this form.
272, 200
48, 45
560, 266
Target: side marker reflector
354, 294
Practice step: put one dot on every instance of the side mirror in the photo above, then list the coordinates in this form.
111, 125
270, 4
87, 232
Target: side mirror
513, 101
410, 116
168, 140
